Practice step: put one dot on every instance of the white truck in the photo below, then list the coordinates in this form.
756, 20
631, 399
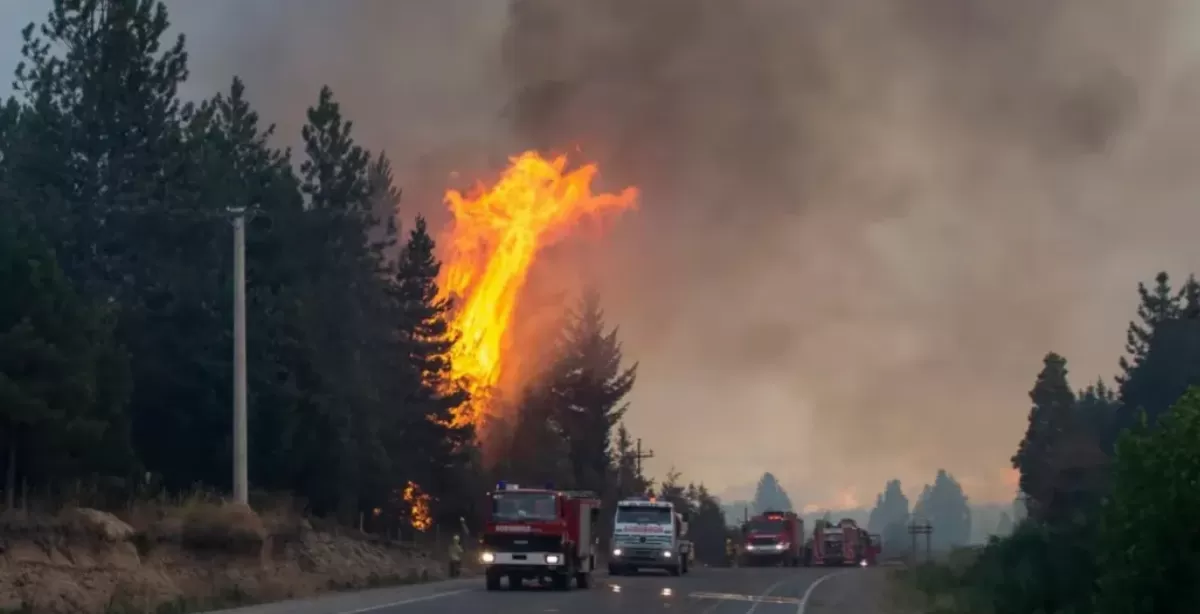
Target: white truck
649, 534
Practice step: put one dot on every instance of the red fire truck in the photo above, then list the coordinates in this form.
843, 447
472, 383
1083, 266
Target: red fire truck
840, 544
773, 538
540, 534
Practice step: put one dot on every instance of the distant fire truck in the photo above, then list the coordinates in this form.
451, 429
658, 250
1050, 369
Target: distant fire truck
841, 544
540, 534
773, 537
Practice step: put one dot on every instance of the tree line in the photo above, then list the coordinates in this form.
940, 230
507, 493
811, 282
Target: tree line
1108, 480
115, 323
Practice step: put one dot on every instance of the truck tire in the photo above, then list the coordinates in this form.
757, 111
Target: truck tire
613, 570
677, 569
561, 581
683, 566
493, 580
583, 579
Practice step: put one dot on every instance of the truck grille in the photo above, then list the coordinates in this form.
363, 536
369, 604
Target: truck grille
763, 541
642, 541
523, 543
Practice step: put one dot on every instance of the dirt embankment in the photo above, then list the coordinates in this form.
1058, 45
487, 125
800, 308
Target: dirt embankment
188, 558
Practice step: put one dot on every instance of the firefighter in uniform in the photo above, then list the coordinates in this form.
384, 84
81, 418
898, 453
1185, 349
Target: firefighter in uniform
456, 553
730, 552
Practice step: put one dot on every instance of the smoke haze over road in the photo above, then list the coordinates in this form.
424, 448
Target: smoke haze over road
863, 223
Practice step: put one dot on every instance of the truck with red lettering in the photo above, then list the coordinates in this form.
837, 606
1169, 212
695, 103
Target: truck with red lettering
540, 534
773, 538
839, 544
649, 534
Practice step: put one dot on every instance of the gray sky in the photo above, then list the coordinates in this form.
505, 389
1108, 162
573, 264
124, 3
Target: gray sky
862, 228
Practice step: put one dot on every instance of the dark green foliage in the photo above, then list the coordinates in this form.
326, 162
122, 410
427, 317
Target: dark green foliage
1151, 548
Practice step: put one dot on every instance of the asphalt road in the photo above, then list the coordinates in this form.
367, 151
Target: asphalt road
703, 591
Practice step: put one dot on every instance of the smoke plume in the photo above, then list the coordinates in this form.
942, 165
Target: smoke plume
863, 222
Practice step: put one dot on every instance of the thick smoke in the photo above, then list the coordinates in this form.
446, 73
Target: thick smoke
863, 222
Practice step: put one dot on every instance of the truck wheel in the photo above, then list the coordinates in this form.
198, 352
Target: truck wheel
493, 580
683, 565
561, 581
583, 579
613, 570
677, 569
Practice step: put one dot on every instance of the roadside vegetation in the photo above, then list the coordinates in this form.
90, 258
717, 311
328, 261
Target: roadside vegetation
1110, 479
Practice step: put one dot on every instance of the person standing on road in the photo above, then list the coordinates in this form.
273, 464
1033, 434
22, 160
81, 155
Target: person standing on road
456, 553
730, 552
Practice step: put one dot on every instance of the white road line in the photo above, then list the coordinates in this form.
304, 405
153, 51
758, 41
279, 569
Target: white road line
812, 587
406, 601
767, 593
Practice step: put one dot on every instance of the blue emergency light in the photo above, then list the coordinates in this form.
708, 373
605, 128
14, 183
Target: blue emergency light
501, 485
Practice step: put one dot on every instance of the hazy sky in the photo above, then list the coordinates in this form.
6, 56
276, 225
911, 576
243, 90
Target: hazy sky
864, 222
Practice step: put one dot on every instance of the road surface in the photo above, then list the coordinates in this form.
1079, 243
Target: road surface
703, 591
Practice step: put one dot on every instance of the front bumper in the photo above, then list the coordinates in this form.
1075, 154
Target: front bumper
641, 556
524, 563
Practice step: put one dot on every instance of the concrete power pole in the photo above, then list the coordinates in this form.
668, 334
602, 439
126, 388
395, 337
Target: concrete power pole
241, 486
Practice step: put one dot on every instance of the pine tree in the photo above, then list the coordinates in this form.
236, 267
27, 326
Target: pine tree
1155, 307
63, 379
588, 384
770, 496
433, 397
1168, 355
1049, 421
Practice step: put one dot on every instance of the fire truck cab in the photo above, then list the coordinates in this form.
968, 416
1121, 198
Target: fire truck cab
773, 537
540, 534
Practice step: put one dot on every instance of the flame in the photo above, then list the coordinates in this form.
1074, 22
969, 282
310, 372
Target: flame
418, 502
496, 234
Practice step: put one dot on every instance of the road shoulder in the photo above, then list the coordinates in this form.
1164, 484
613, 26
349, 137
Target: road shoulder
866, 591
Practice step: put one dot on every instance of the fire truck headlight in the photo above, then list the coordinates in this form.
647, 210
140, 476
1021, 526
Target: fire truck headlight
780, 546
553, 559
749, 548
616, 552
487, 557
864, 563
666, 554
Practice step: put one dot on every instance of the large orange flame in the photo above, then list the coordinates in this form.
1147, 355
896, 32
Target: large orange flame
496, 234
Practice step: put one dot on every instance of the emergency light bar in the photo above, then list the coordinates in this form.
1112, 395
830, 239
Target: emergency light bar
502, 485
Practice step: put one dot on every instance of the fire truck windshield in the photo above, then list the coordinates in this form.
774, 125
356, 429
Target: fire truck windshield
524, 506
762, 525
632, 514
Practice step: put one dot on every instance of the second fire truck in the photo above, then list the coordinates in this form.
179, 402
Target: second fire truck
773, 538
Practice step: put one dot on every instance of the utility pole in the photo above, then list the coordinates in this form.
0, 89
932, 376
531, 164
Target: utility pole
241, 486
639, 455
922, 527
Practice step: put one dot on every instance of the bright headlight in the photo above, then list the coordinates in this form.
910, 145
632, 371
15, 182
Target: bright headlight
780, 546
553, 559
487, 557
616, 552
666, 554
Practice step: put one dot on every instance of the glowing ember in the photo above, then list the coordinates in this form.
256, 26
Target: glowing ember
495, 236
418, 502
